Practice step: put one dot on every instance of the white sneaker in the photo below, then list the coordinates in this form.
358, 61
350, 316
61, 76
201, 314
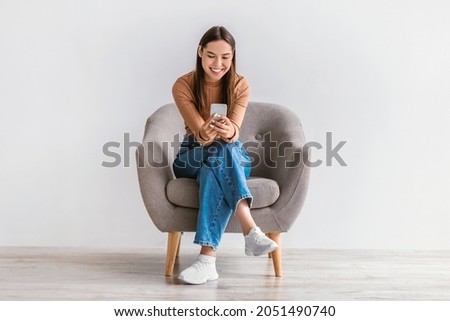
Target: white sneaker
257, 243
201, 271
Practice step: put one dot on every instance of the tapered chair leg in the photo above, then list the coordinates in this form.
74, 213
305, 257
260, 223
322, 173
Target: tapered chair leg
173, 244
276, 255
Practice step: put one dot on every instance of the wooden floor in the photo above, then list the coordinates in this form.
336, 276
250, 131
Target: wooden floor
137, 274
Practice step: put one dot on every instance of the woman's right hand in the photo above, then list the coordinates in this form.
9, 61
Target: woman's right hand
208, 131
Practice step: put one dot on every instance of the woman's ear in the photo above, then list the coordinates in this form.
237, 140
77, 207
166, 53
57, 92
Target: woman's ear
200, 51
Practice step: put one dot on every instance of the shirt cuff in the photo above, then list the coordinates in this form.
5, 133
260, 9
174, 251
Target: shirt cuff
235, 137
200, 139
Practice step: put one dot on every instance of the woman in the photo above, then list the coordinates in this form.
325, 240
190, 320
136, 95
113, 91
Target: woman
212, 153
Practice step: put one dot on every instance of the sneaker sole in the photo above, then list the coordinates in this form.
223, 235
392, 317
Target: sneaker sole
197, 282
248, 252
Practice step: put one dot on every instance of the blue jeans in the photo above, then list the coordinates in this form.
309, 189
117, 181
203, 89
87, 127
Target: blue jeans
221, 171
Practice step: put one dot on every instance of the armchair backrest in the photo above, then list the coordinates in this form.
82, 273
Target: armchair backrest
270, 133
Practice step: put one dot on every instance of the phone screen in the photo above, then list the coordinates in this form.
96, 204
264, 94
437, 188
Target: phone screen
219, 109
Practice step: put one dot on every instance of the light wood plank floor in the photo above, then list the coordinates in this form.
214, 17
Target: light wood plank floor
28, 273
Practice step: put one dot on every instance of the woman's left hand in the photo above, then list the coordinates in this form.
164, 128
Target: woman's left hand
223, 126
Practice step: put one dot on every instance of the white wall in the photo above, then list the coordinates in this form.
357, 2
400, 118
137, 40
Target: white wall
77, 74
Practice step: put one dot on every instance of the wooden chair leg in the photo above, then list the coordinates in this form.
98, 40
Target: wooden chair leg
276, 255
173, 244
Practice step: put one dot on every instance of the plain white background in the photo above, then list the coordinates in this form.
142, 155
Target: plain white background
75, 75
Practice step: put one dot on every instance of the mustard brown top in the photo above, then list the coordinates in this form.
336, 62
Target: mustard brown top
183, 95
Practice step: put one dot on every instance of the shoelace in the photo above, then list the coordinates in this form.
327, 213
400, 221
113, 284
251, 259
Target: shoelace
257, 237
199, 264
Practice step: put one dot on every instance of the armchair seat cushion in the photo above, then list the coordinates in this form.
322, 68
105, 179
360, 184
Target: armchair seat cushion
184, 192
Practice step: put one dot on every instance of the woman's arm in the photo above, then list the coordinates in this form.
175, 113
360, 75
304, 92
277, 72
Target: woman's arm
237, 113
183, 96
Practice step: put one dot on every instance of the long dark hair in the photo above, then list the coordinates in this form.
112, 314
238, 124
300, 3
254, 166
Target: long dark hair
228, 80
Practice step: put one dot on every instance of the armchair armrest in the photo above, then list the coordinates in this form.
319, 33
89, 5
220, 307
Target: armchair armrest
154, 164
287, 165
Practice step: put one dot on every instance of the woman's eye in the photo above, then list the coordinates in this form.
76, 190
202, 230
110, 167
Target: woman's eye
210, 56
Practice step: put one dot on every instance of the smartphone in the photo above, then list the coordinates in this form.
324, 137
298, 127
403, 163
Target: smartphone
220, 109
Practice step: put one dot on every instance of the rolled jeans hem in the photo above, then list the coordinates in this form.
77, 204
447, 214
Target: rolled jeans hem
245, 197
203, 243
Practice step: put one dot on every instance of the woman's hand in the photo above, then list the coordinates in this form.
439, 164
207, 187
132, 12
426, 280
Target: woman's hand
208, 131
223, 126
217, 127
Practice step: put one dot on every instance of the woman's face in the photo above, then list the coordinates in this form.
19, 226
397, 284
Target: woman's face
216, 59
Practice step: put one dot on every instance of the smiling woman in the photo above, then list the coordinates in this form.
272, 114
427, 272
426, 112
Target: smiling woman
215, 57
212, 153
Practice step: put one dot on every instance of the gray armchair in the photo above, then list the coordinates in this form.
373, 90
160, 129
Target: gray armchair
274, 139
